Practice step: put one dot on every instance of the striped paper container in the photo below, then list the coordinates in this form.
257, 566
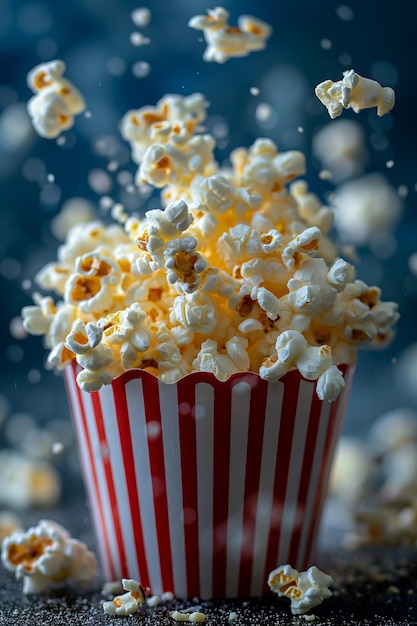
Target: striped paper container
203, 487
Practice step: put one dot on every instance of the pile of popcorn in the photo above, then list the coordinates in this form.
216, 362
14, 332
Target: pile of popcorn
47, 553
235, 273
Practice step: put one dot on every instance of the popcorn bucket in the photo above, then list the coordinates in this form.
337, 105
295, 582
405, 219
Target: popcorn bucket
203, 487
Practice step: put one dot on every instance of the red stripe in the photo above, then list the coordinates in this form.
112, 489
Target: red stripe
221, 468
286, 431
157, 465
188, 452
252, 478
304, 486
89, 473
132, 481
95, 398
333, 435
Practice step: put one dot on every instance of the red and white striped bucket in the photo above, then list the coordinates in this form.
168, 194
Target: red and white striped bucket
203, 487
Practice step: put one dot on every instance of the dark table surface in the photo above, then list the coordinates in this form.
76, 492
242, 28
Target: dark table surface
373, 586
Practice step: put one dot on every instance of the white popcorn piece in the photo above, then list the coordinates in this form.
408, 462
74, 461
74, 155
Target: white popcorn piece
210, 360
307, 241
224, 41
26, 482
56, 100
305, 589
141, 16
9, 523
355, 92
192, 616
127, 603
365, 208
47, 553
340, 148
184, 265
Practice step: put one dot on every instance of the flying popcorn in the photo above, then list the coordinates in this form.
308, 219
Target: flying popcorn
305, 589
56, 100
366, 208
354, 92
340, 148
235, 273
46, 553
224, 41
127, 603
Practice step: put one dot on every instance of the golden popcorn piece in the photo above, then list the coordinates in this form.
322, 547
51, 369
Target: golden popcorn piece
47, 553
354, 92
56, 100
224, 41
127, 603
305, 589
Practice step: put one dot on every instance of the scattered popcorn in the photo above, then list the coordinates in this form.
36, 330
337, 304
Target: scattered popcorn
305, 589
9, 524
340, 148
366, 207
26, 482
352, 471
127, 603
141, 16
224, 41
195, 616
47, 553
137, 39
354, 92
56, 100
235, 272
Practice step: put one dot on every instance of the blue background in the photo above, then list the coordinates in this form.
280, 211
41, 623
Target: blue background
382, 43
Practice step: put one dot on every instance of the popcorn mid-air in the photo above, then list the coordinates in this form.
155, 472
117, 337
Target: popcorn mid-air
235, 273
47, 553
305, 589
56, 100
224, 41
128, 602
354, 92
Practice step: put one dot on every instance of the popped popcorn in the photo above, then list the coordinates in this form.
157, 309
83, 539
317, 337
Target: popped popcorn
235, 273
365, 208
224, 41
47, 553
56, 100
354, 92
305, 589
127, 603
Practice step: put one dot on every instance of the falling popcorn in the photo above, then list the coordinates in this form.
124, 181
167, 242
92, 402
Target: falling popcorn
47, 553
127, 603
235, 273
354, 92
56, 100
224, 41
305, 589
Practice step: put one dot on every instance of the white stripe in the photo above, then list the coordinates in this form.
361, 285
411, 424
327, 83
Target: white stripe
314, 479
241, 394
93, 497
120, 479
289, 514
204, 409
338, 420
98, 453
168, 401
138, 430
275, 392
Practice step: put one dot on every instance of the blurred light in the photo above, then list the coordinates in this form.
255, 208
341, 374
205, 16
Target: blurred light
14, 353
34, 18
326, 44
46, 49
33, 169
385, 73
100, 181
345, 13
16, 130
7, 96
345, 59
10, 268
50, 195
34, 376
140, 69
116, 66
